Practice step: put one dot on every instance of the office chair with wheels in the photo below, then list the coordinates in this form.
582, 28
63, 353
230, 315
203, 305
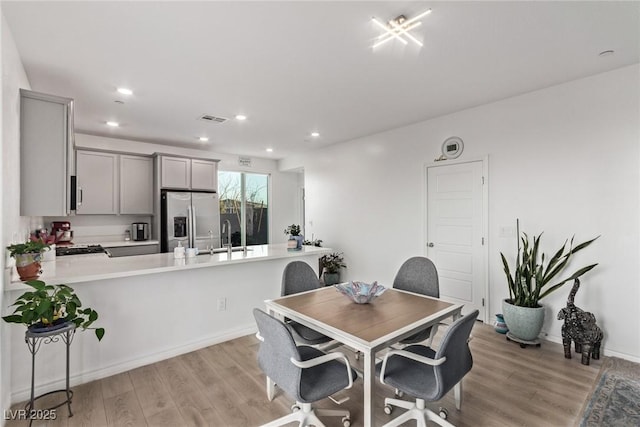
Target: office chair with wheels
298, 276
304, 373
419, 275
429, 374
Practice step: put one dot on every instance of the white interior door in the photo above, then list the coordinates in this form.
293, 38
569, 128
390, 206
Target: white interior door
455, 227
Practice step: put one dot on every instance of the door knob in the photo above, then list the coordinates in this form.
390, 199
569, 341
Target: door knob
430, 244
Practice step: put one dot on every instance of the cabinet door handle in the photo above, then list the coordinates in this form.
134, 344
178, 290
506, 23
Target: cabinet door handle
80, 201
431, 244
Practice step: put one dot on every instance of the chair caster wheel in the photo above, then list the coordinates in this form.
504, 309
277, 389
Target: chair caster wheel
443, 413
295, 408
346, 422
388, 409
399, 393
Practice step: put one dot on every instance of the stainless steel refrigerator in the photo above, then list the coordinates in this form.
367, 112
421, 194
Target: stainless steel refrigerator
192, 218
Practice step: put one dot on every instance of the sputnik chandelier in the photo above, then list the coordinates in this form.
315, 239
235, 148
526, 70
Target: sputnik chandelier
399, 29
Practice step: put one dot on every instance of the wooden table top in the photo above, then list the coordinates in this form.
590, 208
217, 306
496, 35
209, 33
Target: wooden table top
390, 312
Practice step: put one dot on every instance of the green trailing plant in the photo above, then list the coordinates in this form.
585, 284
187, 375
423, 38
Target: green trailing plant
293, 230
533, 273
28, 247
52, 304
333, 262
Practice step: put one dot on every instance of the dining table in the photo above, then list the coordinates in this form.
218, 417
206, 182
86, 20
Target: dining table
367, 328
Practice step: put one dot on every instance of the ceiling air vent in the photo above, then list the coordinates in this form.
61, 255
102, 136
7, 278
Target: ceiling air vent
212, 119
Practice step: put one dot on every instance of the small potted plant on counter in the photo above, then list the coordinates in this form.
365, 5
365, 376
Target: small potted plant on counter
331, 265
294, 235
313, 242
49, 307
28, 256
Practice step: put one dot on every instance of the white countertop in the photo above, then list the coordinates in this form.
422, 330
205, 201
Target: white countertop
85, 268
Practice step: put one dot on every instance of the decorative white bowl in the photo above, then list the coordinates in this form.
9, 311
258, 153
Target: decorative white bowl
360, 292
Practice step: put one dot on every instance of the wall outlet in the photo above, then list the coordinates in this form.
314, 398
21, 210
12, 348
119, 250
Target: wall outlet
222, 304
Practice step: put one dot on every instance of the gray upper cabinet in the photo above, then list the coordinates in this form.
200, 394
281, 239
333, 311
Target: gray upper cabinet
204, 175
188, 174
112, 183
136, 184
97, 175
176, 172
46, 154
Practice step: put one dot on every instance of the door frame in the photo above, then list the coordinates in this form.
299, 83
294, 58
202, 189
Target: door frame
485, 218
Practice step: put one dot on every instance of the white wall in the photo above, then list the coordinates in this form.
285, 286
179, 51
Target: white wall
565, 160
13, 78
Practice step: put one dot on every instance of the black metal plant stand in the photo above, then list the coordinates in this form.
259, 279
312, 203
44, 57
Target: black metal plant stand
34, 340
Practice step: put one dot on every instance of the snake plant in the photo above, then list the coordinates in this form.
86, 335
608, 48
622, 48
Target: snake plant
532, 277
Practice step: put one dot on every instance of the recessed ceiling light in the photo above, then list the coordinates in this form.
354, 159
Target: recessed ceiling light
113, 124
241, 117
606, 53
203, 139
269, 150
125, 91
315, 134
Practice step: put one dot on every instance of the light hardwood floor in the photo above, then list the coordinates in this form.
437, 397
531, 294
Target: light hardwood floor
222, 386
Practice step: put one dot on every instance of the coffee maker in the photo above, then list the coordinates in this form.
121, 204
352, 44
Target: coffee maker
62, 232
140, 231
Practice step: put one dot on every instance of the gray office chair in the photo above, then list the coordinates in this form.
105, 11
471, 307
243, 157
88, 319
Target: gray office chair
304, 373
429, 374
418, 275
298, 276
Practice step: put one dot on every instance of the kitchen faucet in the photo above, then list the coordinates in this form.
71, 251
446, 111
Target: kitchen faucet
227, 226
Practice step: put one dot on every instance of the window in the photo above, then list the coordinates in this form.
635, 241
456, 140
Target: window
244, 202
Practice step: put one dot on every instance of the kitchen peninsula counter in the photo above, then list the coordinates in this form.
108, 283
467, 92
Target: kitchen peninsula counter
93, 267
152, 307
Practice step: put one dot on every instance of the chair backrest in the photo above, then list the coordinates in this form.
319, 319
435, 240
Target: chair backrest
298, 276
455, 347
418, 275
275, 353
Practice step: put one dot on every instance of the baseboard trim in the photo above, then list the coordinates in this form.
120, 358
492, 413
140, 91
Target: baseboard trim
604, 351
127, 365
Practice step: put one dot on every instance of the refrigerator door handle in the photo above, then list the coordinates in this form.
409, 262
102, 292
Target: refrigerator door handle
193, 226
189, 226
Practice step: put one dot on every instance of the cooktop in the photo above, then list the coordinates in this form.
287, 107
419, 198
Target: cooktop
79, 250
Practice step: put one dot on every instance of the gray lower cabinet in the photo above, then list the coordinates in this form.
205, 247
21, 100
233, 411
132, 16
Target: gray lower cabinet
132, 250
46, 154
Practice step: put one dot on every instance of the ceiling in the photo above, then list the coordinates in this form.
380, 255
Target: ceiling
297, 67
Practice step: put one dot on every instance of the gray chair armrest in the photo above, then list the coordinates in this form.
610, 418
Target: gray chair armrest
304, 364
408, 355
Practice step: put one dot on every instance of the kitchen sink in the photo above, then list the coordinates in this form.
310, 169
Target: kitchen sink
224, 250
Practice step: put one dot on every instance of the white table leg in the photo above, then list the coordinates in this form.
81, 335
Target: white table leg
369, 378
457, 392
271, 388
